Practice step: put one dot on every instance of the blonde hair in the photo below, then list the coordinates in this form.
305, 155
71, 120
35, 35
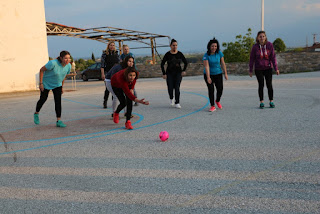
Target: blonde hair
107, 49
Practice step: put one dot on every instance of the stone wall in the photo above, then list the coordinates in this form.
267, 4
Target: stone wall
287, 62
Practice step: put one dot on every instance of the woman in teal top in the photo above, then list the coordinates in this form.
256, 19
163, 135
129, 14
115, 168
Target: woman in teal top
52, 77
212, 61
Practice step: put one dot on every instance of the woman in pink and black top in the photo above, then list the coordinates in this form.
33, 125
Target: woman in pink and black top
123, 84
263, 58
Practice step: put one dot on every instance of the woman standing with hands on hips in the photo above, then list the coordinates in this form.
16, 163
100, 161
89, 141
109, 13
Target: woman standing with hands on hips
212, 61
174, 73
52, 77
123, 83
263, 57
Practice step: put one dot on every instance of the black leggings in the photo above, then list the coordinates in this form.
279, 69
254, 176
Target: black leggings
124, 101
217, 81
173, 82
57, 99
267, 74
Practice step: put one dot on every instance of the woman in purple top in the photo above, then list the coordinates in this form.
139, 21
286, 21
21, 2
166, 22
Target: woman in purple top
263, 58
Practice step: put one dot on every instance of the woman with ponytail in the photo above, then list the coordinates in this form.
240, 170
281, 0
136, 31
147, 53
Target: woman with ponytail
52, 77
173, 74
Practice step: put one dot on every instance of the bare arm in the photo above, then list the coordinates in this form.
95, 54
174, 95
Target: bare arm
42, 70
224, 68
206, 66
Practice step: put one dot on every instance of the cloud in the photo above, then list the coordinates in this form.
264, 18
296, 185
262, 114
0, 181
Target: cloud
305, 7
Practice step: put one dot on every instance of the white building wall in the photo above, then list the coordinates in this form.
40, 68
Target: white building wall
23, 44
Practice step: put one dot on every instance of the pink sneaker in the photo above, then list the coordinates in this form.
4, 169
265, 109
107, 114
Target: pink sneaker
212, 109
219, 105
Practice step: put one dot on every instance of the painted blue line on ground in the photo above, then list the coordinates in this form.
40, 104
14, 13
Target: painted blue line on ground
59, 138
27, 127
88, 138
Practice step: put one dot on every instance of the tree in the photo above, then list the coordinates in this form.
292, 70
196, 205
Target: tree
239, 51
92, 57
279, 45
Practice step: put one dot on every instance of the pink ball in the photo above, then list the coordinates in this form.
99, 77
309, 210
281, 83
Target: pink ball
164, 135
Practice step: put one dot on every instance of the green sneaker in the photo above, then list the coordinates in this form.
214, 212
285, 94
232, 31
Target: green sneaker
61, 124
272, 105
261, 105
36, 119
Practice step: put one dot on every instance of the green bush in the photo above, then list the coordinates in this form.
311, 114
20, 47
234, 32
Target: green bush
239, 51
279, 45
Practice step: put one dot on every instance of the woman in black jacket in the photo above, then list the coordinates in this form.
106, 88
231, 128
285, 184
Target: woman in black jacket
109, 58
173, 74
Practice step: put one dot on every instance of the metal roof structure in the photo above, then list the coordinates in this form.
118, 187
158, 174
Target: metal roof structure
106, 34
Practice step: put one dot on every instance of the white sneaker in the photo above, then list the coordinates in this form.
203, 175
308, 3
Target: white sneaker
172, 102
178, 105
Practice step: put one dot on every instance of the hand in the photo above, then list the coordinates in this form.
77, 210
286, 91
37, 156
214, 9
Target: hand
209, 80
41, 87
250, 74
164, 76
142, 101
62, 90
226, 76
278, 72
103, 77
183, 73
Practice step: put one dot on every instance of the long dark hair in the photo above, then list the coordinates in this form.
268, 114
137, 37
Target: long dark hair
129, 70
214, 40
63, 54
124, 63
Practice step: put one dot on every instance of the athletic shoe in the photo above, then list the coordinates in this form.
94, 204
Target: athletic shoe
219, 105
272, 105
212, 108
261, 105
61, 124
172, 102
36, 119
128, 125
178, 105
105, 104
116, 118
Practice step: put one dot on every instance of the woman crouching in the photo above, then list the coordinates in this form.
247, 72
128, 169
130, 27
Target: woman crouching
123, 84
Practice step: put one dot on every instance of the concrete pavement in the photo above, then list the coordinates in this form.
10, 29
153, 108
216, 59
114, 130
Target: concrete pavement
241, 159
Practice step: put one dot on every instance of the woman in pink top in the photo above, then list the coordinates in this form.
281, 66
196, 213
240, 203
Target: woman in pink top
263, 58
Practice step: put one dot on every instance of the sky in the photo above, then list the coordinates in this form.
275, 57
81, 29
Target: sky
191, 22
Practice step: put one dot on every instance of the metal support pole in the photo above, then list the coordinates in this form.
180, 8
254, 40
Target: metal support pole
152, 51
120, 47
262, 14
